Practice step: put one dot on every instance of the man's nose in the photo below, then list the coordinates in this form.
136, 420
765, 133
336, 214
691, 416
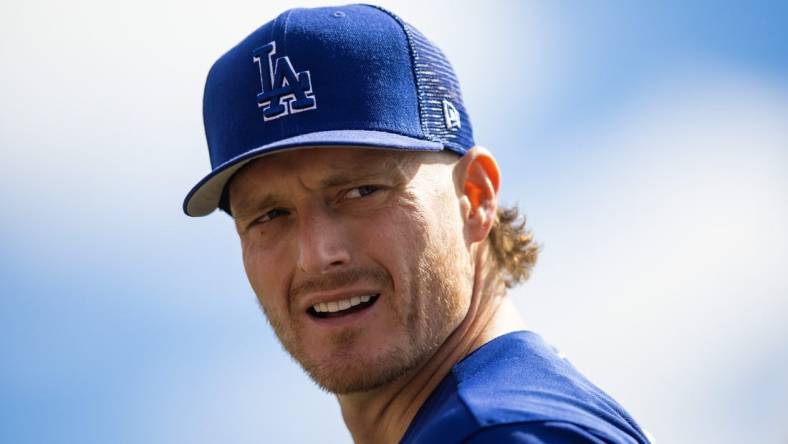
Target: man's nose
323, 243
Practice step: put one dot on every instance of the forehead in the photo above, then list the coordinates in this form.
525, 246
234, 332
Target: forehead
323, 160
322, 167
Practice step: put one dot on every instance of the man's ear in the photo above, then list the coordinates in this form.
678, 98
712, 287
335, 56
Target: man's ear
479, 179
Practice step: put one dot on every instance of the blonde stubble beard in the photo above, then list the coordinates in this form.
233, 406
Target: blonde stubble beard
442, 277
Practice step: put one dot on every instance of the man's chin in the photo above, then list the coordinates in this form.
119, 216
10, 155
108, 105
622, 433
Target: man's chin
356, 375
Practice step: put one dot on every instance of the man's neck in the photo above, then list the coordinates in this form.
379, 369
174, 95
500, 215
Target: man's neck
384, 414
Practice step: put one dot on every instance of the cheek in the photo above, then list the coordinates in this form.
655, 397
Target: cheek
445, 253
404, 227
448, 213
401, 240
432, 221
266, 274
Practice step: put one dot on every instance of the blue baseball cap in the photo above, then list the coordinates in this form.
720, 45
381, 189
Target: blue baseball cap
352, 75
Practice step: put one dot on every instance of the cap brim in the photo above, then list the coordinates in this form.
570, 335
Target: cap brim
204, 197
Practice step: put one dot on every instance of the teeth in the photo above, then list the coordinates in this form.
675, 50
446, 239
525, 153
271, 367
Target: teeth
335, 306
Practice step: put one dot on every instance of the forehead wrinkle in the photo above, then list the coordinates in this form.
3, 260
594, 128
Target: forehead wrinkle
343, 171
368, 165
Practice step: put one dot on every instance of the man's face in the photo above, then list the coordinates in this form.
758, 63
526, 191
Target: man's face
357, 257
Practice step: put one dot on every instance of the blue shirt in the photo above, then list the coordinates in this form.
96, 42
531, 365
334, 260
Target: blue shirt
516, 389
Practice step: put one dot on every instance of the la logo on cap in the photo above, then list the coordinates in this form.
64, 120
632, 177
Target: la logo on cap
284, 90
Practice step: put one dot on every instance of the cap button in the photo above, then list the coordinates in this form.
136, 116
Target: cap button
338, 14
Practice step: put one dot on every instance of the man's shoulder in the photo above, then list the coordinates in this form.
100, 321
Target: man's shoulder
543, 432
516, 384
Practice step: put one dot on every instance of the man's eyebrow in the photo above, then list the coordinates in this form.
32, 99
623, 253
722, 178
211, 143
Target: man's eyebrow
382, 168
249, 206
344, 178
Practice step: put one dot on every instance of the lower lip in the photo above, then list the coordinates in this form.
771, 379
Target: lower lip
344, 320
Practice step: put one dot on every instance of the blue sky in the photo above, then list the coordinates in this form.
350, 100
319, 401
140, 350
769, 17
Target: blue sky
645, 142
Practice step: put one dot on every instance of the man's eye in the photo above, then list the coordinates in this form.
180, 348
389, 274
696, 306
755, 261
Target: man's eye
364, 190
273, 214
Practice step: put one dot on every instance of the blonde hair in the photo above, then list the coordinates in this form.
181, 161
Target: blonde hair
513, 246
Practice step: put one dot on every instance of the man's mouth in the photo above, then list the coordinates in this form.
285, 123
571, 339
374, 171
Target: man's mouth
342, 307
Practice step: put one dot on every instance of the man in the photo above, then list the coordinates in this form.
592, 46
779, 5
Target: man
372, 238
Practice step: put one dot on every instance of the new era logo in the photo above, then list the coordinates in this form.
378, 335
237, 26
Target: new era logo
284, 90
451, 115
